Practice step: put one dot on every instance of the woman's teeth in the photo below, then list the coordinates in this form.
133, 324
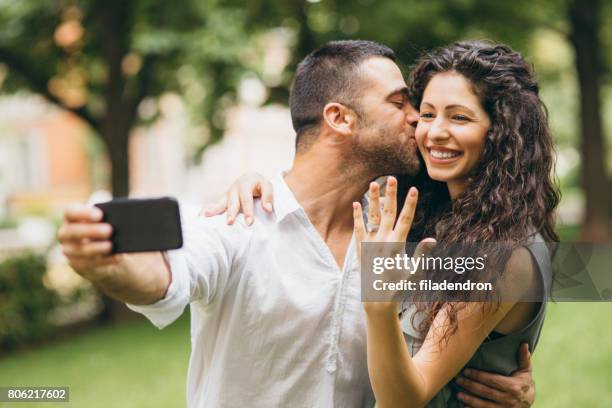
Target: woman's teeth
438, 154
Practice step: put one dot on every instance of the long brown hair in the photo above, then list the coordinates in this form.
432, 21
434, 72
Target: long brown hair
511, 193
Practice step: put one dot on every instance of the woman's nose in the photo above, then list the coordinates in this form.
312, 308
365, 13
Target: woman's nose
438, 131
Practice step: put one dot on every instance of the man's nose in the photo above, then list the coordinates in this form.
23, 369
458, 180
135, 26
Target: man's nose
412, 116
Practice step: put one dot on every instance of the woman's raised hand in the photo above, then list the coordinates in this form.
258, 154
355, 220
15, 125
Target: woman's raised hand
386, 227
383, 227
240, 198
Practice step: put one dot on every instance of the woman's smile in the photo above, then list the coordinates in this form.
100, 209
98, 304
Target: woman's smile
443, 155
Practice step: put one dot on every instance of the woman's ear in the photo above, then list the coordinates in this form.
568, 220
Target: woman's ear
339, 118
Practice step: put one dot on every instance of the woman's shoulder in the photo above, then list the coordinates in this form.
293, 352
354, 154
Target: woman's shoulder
520, 269
528, 273
540, 252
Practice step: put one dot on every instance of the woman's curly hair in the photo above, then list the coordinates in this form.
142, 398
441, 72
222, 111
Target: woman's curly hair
511, 192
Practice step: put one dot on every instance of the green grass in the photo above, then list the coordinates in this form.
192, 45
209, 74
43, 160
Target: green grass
573, 361
136, 365
129, 365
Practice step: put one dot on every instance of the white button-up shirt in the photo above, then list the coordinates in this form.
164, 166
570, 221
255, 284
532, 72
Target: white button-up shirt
274, 321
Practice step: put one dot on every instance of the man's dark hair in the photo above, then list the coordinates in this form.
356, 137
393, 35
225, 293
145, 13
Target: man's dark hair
329, 74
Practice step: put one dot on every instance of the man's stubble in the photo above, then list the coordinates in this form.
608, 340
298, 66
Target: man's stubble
381, 151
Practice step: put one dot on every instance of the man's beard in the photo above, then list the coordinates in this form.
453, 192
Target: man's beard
384, 154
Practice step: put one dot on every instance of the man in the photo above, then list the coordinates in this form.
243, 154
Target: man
276, 314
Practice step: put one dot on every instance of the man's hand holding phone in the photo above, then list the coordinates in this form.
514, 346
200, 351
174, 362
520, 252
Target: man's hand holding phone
86, 242
90, 243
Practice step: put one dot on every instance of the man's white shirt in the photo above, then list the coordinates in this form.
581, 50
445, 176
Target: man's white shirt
274, 321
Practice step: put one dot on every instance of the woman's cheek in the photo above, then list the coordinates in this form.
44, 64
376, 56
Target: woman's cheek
420, 134
473, 140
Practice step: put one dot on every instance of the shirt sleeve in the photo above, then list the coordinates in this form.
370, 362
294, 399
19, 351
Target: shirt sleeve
200, 270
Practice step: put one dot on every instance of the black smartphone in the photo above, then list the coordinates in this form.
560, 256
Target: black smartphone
142, 225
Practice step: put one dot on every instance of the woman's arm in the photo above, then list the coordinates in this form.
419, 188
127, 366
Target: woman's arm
401, 380
397, 378
394, 377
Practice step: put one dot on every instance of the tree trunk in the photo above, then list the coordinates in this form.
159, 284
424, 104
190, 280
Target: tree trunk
120, 165
117, 138
117, 146
584, 36
115, 18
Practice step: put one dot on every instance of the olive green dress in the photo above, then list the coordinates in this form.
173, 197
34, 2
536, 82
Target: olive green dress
498, 353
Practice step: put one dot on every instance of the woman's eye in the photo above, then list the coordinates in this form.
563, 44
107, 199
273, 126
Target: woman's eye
426, 115
461, 118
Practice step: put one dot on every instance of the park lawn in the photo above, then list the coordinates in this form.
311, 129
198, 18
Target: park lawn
573, 361
136, 365
128, 365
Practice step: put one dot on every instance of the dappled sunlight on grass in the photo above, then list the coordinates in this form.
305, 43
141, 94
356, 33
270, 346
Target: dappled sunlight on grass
136, 365
129, 365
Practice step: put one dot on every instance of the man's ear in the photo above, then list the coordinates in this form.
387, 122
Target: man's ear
339, 118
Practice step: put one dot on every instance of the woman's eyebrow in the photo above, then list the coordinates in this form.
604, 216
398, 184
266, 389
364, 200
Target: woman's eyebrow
449, 107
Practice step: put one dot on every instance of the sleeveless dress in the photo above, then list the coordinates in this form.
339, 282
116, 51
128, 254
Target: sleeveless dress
498, 353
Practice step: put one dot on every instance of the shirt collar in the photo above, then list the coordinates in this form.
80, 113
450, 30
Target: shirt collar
285, 202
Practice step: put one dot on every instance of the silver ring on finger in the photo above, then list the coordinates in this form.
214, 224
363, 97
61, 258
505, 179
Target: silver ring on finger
372, 227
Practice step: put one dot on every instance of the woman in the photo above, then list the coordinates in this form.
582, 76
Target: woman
484, 137
485, 141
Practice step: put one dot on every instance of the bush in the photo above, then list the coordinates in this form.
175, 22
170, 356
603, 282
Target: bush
25, 302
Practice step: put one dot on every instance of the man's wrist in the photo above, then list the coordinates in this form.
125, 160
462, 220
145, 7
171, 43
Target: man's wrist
152, 277
109, 279
139, 279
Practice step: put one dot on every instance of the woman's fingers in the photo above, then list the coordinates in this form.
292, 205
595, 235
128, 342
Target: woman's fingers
359, 227
406, 216
240, 198
390, 208
424, 247
246, 201
374, 204
215, 209
242, 194
233, 204
267, 195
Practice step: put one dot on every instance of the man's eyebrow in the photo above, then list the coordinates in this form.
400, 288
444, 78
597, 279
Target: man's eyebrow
403, 91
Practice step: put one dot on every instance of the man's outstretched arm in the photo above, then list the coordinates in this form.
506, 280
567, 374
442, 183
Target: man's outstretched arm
488, 390
138, 279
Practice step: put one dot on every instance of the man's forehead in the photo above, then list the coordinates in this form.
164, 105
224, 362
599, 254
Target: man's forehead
382, 73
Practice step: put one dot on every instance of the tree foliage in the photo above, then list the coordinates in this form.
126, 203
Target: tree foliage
100, 59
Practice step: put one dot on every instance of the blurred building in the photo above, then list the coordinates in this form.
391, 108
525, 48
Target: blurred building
43, 158
49, 159
257, 139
